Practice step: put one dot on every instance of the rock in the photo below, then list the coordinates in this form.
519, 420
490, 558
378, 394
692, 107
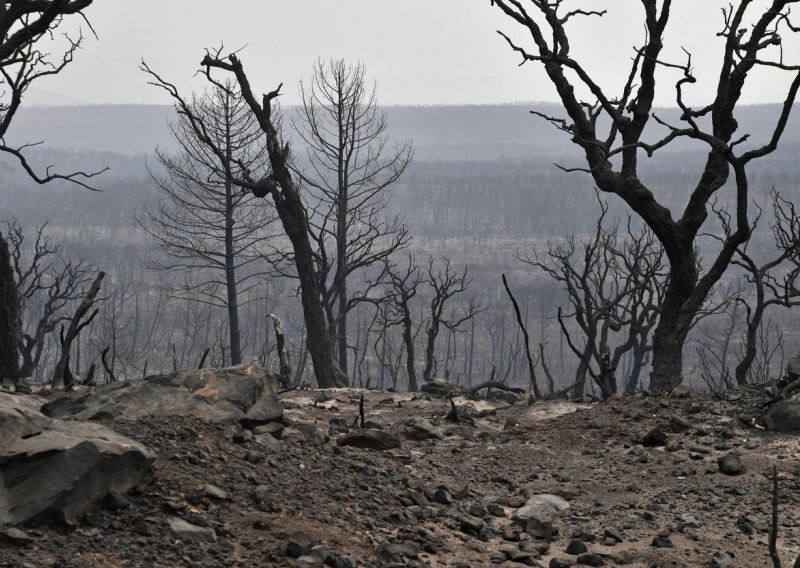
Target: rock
655, 437
215, 492
308, 562
576, 546
414, 428
721, 560
591, 559
439, 387
730, 464
784, 416
60, 468
12, 535
398, 553
188, 532
299, 544
266, 440
560, 563
338, 426
471, 525
662, 542
242, 393
611, 534
539, 512
370, 438
688, 521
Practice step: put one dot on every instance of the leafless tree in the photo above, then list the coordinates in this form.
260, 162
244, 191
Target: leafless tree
25, 27
613, 283
280, 185
46, 286
402, 284
445, 283
773, 282
204, 223
348, 170
752, 40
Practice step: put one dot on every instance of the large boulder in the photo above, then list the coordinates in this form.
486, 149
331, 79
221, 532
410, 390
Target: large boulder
243, 393
784, 416
58, 468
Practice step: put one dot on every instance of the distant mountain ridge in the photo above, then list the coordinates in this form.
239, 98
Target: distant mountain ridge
446, 132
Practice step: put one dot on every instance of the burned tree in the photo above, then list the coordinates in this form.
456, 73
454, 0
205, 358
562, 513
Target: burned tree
348, 171
445, 284
204, 224
610, 133
280, 185
402, 287
773, 282
25, 25
45, 287
613, 282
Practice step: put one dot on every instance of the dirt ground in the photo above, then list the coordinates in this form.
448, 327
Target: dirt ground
449, 500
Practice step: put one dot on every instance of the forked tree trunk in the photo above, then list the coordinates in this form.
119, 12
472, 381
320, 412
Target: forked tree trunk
9, 306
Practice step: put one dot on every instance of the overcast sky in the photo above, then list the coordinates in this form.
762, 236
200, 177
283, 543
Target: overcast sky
419, 51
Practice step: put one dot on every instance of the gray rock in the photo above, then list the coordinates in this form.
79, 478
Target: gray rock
370, 438
188, 532
655, 437
662, 542
721, 560
591, 559
784, 416
243, 393
576, 546
560, 563
398, 552
299, 544
730, 464
539, 512
15, 536
266, 440
215, 492
414, 428
60, 468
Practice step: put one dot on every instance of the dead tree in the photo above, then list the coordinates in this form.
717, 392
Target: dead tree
402, 287
45, 287
610, 134
774, 282
26, 26
348, 171
279, 184
62, 376
203, 223
444, 285
531, 364
613, 281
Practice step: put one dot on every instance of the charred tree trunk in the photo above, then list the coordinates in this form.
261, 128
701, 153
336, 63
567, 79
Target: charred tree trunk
62, 375
9, 307
230, 266
292, 214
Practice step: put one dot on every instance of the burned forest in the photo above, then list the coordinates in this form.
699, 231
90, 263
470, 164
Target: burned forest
302, 299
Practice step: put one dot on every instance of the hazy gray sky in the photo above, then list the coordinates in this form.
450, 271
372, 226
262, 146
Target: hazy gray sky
419, 51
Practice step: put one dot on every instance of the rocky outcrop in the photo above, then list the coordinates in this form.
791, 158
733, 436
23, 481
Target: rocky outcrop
243, 394
60, 468
784, 416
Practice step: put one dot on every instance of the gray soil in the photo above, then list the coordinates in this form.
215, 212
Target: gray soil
448, 501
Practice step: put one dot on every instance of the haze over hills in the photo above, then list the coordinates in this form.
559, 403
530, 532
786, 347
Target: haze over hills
446, 132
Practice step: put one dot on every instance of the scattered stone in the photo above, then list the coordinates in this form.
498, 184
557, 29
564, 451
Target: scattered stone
539, 512
215, 492
655, 437
721, 560
576, 546
611, 534
398, 552
414, 428
560, 563
591, 559
299, 544
688, 521
371, 439
471, 525
15, 536
662, 542
188, 532
730, 464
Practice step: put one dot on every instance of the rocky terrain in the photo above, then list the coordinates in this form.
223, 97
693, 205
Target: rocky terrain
654, 481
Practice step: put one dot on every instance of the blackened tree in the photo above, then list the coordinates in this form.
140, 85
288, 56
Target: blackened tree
610, 133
